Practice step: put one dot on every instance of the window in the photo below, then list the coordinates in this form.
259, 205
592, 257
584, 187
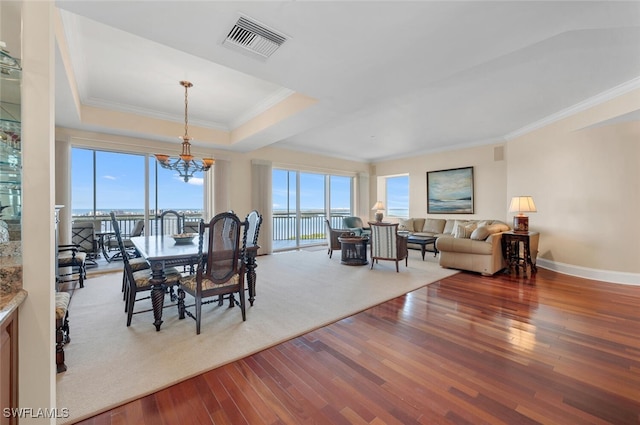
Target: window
397, 196
103, 181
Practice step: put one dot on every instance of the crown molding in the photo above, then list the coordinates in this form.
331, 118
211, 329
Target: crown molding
578, 107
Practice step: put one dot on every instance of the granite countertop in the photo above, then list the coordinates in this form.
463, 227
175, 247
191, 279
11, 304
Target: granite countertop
10, 302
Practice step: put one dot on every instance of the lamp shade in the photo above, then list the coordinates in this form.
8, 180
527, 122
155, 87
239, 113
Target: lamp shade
378, 206
520, 204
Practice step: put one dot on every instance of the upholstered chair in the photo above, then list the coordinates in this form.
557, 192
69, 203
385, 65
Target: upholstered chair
386, 244
355, 225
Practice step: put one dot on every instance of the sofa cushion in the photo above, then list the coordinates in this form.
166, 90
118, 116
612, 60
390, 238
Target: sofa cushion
433, 225
418, 224
463, 246
405, 224
448, 227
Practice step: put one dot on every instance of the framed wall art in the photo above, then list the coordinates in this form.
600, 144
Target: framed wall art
450, 191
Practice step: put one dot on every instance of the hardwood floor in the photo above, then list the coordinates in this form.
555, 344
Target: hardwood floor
469, 349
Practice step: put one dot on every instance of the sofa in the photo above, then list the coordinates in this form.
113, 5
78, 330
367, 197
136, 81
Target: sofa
472, 245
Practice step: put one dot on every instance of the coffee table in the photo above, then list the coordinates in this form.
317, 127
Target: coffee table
423, 241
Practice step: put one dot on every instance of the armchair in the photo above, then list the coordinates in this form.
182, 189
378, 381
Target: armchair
332, 236
386, 244
355, 225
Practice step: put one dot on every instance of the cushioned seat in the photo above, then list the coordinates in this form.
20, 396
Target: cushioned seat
62, 328
71, 261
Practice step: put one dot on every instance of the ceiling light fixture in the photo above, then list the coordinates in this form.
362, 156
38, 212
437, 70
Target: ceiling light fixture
185, 164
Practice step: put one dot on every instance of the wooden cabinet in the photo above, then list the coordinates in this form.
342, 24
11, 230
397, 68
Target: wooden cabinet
9, 367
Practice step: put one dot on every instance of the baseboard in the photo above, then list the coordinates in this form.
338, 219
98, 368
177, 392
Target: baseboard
588, 273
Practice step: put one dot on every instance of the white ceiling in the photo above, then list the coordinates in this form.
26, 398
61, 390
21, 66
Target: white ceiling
391, 78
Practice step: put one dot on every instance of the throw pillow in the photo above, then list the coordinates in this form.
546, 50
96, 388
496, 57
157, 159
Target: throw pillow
481, 233
464, 232
406, 224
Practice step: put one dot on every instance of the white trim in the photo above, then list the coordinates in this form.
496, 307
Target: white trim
578, 107
623, 278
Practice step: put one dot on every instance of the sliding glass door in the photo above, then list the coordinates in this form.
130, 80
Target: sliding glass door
302, 201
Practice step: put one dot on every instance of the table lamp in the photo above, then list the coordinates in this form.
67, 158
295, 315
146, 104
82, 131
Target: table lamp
520, 205
379, 207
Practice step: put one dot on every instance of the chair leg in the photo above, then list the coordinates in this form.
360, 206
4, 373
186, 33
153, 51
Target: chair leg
198, 314
131, 299
60, 341
181, 307
242, 306
397, 269
83, 274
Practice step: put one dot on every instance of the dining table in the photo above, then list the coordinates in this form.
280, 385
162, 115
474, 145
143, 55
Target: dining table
162, 252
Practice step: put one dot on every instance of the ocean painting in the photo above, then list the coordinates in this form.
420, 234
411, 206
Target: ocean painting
450, 191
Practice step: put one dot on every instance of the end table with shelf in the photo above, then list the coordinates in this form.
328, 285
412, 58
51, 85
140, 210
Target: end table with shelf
519, 249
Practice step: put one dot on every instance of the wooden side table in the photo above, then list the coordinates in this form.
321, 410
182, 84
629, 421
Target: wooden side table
354, 250
517, 249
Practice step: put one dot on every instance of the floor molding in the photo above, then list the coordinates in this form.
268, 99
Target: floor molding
623, 278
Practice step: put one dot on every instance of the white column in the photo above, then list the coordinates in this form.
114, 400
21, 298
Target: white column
37, 380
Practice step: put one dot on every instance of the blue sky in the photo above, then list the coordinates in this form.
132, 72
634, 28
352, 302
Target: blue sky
120, 183
120, 186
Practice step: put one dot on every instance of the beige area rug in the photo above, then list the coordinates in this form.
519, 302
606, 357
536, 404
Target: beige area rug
110, 364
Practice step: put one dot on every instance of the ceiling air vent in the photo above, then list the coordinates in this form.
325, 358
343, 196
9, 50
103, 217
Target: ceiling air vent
254, 37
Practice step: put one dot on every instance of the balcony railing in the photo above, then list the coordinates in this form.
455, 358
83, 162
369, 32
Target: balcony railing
312, 226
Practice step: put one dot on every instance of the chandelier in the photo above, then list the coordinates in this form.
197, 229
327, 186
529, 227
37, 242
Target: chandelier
185, 164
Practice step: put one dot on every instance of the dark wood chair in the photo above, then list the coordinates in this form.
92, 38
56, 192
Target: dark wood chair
136, 282
171, 222
137, 263
252, 224
386, 244
220, 272
71, 263
62, 328
332, 236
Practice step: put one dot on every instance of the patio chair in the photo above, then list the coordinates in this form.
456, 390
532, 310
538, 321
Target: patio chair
220, 272
386, 244
83, 235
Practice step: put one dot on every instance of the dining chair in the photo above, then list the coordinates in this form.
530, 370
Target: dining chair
71, 262
386, 244
220, 272
138, 280
112, 243
252, 224
171, 222
136, 263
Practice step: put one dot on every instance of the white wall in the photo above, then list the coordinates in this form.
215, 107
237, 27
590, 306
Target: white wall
489, 177
584, 174
37, 382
